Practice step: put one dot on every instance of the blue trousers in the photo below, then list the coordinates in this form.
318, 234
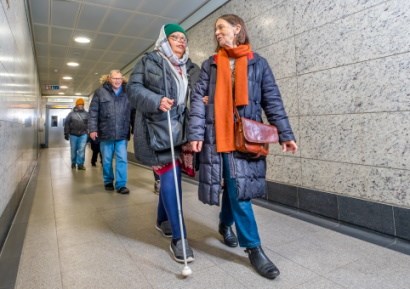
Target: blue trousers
77, 145
238, 212
108, 149
167, 203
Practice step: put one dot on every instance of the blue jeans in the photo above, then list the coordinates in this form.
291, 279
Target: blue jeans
77, 145
109, 148
167, 203
240, 212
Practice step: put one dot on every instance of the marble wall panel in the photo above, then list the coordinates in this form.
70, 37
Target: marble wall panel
281, 58
386, 140
370, 86
249, 9
376, 139
373, 33
284, 169
337, 138
271, 26
342, 178
288, 89
314, 13
202, 41
390, 186
384, 185
18, 141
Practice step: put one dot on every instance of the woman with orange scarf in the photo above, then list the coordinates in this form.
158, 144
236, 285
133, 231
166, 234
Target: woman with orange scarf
235, 77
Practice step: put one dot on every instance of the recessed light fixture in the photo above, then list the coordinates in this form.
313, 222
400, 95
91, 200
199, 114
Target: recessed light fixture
82, 39
73, 64
78, 93
67, 77
61, 93
63, 86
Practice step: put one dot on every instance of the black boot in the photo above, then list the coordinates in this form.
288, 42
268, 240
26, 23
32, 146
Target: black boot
261, 263
230, 239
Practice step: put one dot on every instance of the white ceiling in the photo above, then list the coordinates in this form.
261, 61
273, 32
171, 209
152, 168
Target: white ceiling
120, 30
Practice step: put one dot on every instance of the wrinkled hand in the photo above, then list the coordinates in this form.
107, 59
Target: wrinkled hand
289, 146
66, 136
93, 135
196, 145
166, 104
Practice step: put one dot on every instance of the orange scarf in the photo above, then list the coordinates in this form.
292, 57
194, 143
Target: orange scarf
224, 102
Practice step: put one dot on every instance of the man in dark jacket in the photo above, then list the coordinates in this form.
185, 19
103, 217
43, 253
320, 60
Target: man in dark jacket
76, 130
110, 123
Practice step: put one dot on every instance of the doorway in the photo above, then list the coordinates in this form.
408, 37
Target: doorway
54, 134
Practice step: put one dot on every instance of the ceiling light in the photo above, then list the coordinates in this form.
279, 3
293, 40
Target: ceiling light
61, 93
82, 39
63, 86
73, 64
78, 93
67, 77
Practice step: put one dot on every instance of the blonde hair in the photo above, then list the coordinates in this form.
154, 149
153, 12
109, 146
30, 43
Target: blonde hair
105, 78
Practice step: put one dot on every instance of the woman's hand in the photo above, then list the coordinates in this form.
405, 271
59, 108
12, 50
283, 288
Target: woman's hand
196, 145
166, 104
93, 135
289, 146
205, 99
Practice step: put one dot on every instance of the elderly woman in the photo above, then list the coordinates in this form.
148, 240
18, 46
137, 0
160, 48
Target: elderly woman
146, 91
235, 76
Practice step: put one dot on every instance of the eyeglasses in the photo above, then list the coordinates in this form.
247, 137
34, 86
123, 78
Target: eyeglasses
178, 39
116, 78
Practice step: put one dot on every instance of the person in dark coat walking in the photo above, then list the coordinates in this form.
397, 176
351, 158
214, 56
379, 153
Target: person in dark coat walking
146, 91
95, 148
76, 130
235, 76
110, 114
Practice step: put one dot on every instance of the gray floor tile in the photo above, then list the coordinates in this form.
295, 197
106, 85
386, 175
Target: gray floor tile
80, 236
292, 274
387, 270
213, 277
319, 283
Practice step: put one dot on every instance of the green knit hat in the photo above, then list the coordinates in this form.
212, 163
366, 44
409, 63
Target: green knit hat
173, 27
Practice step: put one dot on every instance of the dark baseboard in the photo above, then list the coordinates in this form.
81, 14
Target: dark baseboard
377, 223
9, 212
13, 223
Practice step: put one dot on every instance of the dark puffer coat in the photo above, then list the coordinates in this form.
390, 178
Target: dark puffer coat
110, 114
249, 173
145, 91
76, 122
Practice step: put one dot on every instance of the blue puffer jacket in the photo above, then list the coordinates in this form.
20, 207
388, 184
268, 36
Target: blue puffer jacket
249, 173
110, 114
145, 91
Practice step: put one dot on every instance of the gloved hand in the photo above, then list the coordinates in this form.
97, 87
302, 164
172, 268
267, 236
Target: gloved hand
66, 136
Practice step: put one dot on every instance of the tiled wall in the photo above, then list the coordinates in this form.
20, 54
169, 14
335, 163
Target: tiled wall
343, 68
19, 94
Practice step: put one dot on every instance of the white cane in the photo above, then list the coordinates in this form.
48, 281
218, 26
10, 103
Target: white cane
186, 271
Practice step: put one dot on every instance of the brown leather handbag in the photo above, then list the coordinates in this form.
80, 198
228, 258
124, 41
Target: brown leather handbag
253, 137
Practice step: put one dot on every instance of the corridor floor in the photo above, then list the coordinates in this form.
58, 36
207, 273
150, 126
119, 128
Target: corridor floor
81, 236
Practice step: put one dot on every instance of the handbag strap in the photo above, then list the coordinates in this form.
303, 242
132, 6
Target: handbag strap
236, 113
